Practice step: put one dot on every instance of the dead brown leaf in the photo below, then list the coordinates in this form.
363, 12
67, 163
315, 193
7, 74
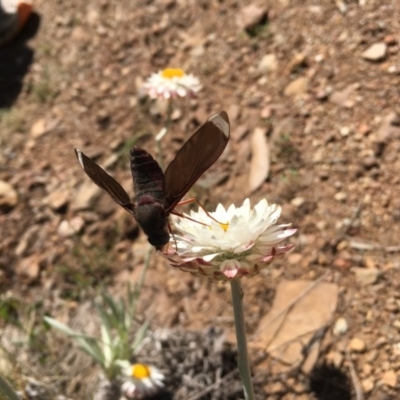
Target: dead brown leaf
260, 160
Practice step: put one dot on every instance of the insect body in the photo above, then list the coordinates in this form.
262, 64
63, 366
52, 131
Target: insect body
159, 193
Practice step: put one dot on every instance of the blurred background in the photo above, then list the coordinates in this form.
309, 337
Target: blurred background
312, 92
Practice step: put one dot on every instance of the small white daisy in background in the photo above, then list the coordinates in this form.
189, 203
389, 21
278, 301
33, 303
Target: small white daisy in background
171, 83
245, 241
141, 380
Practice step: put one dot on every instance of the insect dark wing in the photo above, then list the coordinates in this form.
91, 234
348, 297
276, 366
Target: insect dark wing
105, 181
195, 157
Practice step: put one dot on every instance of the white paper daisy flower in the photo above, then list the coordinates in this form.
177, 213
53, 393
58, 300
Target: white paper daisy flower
170, 83
141, 380
245, 241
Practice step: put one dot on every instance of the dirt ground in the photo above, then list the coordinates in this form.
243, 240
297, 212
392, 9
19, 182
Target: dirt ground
305, 74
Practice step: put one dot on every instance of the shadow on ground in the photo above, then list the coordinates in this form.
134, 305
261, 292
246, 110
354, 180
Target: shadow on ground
15, 60
330, 383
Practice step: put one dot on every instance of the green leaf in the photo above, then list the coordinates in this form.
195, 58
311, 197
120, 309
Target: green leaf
92, 349
117, 312
105, 318
139, 337
60, 326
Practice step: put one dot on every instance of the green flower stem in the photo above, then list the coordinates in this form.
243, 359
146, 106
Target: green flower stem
160, 158
146, 266
139, 286
7, 390
166, 127
243, 357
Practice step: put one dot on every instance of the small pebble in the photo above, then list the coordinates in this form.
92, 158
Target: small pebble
357, 345
345, 131
367, 385
366, 276
341, 326
341, 196
376, 52
297, 201
389, 378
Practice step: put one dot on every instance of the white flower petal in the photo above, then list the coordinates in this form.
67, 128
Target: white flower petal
141, 380
171, 83
240, 242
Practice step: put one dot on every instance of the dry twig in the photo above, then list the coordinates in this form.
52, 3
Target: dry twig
354, 377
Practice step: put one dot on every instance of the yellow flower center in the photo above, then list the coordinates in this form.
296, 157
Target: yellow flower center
224, 226
170, 73
140, 371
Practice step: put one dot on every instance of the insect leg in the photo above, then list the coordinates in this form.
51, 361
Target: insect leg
190, 219
171, 233
194, 200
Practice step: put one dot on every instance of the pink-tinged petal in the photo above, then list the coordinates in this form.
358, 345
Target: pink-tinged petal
244, 247
275, 235
210, 257
283, 249
230, 273
168, 252
267, 259
230, 268
287, 232
181, 91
